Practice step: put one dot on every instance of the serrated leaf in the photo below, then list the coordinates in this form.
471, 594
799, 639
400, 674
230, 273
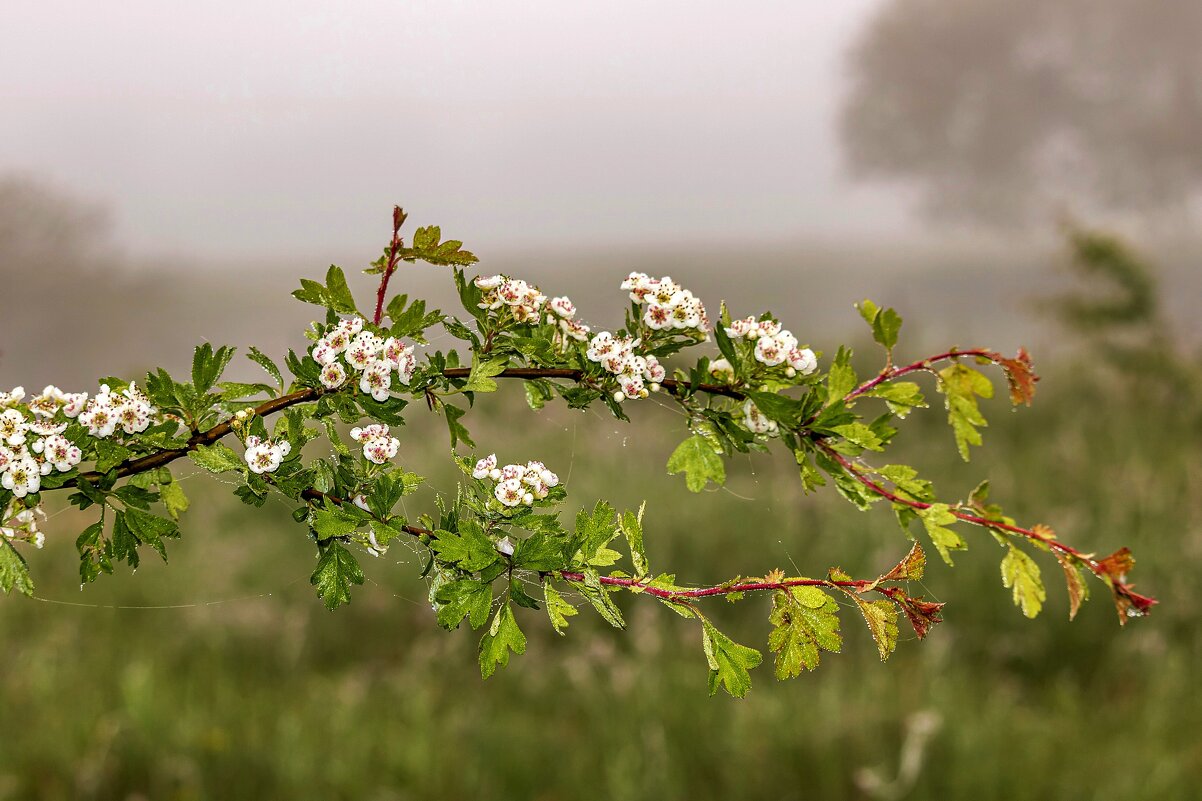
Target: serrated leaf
860, 435
910, 568
110, 454
1020, 573
881, 617
842, 378
337, 569
1078, 590
14, 571
338, 292
695, 457
960, 386
900, 396
459, 599
258, 357
334, 522
558, 610
502, 636
481, 377
805, 621
458, 432
469, 547
632, 527
216, 458
596, 594
935, 519
729, 662
174, 499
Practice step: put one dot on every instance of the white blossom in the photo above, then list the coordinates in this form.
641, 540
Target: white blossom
489, 281
333, 375
58, 451
505, 546
73, 403
509, 492
135, 411
563, 307
485, 466
381, 449
722, 370
803, 360
757, 422
22, 477
377, 380
12, 398
13, 427
265, 456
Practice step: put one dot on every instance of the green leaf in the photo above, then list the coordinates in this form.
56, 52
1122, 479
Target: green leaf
592, 589
539, 552
480, 379
150, 528
110, 454
14, 572
458, 432
217, 458
899, 396
337, 569
961, 385
558, 610
632, 526
700, 464
593, 531
1020, 573
460, 599
469, 547
208, 365
502, 637
881, 617
842, 378
935, 518
860, 435
805, 621
730, 663
334, 522
885, 323
258, 357
338, 292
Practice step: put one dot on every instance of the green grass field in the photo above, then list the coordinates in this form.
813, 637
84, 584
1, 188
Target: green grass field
251, 689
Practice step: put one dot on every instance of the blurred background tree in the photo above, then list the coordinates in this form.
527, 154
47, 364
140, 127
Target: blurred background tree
1000, 111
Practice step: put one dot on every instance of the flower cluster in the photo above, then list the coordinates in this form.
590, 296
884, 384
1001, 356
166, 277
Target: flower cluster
378, 444
773, 346
22, 524
667, 305
633, 372
130, 410
264, 455
31, 449
516, 484
522, 300
371, 357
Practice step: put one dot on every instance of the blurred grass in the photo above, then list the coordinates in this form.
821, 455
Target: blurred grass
253, 690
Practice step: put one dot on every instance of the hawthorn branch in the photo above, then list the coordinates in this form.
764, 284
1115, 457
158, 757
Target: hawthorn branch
642, 585
1095, 566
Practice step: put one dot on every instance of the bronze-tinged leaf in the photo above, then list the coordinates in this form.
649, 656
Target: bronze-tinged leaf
909, 568
923, 615
1078, 591
1020, 375
1118, 565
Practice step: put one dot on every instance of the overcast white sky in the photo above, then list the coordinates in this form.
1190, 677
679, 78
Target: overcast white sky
233, 128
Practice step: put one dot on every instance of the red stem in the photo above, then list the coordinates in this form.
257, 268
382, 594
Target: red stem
1142, 602
398, 219
914, 367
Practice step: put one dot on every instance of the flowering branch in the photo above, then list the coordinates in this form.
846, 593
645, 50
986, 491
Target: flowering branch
501, 532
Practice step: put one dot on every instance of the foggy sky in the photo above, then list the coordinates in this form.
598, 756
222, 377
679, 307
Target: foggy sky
234, 128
